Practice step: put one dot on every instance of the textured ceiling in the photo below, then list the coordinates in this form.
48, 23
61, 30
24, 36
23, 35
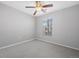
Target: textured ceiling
57, 5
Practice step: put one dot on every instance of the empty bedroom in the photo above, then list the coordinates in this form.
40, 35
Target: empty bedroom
39, 29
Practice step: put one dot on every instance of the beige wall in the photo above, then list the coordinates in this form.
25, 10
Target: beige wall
15, 25
65, 27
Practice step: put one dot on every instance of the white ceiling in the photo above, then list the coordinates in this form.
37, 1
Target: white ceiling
57, 5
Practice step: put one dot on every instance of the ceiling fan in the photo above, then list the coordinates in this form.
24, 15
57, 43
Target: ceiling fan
39, 7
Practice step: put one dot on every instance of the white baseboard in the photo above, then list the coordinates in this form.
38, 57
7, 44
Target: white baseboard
11, 45
60, 44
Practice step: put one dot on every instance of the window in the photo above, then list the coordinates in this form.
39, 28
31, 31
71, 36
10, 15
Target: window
47, 25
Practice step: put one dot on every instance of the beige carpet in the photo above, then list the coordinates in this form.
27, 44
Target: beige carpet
38, 49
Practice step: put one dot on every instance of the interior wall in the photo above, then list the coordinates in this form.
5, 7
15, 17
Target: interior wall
15, 25
65, 27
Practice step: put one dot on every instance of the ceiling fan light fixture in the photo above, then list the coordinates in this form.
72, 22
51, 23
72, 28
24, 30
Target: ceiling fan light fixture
38, 8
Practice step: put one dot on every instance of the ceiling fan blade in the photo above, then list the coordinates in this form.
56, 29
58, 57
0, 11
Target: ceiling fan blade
48, 5
35, 12
29, 6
